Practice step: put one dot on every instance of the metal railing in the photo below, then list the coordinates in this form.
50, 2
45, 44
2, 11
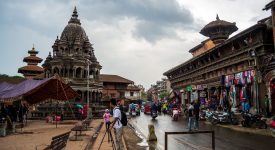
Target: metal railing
191, 132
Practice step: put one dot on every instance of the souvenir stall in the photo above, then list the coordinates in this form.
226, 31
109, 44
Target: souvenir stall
239, 87
202, 94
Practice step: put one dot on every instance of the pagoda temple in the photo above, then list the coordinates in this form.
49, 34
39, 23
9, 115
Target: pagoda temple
218, 30
31, 70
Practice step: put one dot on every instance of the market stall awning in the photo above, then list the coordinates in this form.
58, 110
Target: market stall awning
35, 91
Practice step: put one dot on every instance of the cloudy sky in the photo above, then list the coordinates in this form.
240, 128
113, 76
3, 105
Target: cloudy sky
137, 39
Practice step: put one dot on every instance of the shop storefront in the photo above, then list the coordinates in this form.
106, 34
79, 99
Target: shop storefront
241, 86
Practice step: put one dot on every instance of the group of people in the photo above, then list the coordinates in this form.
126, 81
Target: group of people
164, 107
116, 123
13, 113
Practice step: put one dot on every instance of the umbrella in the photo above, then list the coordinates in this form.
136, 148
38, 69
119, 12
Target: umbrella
79, 106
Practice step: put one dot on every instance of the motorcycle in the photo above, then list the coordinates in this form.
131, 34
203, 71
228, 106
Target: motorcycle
249, 120
224, 117
175, 115
209, 115
132, 112
154, 114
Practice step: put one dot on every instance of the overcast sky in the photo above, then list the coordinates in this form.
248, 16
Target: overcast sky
136, 39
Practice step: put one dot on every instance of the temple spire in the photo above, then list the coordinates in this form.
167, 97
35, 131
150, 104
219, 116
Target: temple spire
75, 15
74, 18
217, 17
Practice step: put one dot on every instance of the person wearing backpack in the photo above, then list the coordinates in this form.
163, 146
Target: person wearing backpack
116, 124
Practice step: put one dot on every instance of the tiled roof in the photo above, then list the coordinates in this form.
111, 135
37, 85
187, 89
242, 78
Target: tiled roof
114, 79
133, 88
31, 68
35, 58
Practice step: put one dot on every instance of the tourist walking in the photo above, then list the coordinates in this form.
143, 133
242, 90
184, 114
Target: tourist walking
196, 114
106, 118
116, 124
190, 116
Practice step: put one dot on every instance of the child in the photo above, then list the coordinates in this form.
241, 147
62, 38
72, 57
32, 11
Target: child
106, 118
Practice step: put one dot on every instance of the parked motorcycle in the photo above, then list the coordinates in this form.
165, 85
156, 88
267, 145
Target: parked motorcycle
202, 115
224, 117
209, 115
250, 120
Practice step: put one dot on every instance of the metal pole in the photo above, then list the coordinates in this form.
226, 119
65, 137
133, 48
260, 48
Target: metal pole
213, 140
166, 142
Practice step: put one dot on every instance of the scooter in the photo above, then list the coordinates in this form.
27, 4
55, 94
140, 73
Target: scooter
249, 120
154, 114
175, 114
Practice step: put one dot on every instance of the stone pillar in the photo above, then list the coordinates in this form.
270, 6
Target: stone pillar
152, 135
82, 96
81, 73
74, 70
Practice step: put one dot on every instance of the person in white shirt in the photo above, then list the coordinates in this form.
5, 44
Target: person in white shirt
117, 125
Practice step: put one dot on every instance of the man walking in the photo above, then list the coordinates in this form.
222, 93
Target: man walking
196, 114
117, 124
191, 116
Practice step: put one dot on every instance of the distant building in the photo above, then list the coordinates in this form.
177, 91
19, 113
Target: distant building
32, 69
133, 92
159, 88
114, 86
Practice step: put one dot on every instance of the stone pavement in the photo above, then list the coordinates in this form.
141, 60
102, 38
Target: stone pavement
106, 145
38, 134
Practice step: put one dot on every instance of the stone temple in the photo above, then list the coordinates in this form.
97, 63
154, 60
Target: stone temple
74, 60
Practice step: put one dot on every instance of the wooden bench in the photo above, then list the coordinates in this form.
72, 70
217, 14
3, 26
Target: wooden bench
77, 129
58, 142
86, 123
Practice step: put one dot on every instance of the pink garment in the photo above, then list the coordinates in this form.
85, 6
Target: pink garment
106, 117
273, 124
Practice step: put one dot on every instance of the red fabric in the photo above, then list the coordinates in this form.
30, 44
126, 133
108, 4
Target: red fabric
273, 124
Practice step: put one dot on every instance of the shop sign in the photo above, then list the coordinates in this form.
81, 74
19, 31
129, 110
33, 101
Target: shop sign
199, 87
188, 88
202, 87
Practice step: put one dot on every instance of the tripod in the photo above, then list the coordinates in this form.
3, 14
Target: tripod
110, 138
